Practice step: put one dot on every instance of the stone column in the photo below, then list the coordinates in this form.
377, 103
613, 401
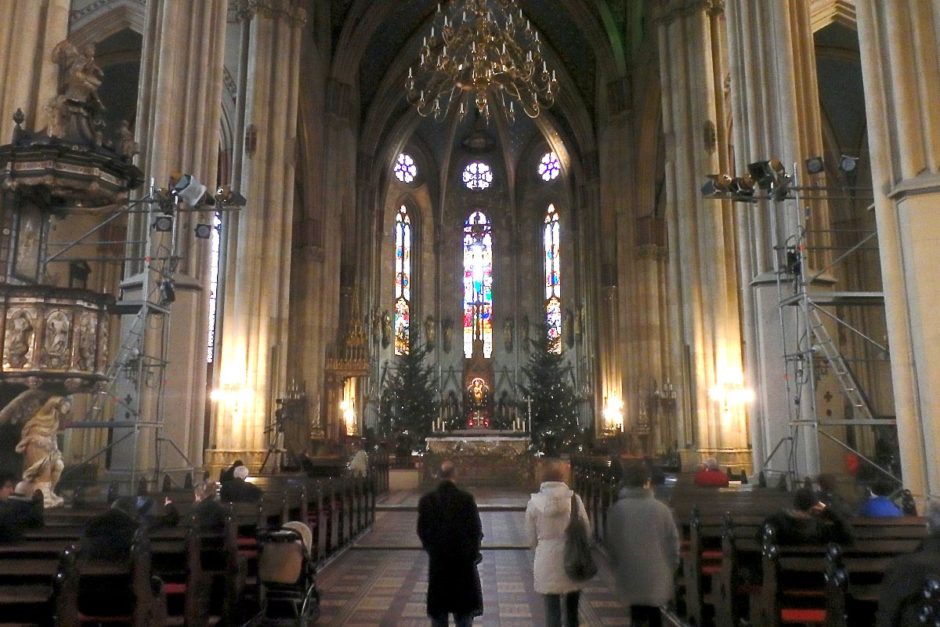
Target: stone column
28, 33
255, 343
178, 130
899, 50
776, 113
701, 233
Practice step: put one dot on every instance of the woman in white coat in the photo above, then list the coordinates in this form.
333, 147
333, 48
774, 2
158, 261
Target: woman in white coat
547, 516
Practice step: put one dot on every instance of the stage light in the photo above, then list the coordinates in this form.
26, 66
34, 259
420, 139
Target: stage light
815, 165
189, 190
716, 185
768, 174
167, 292
203, 231
848, 163
742, 186
229, 198
163, 224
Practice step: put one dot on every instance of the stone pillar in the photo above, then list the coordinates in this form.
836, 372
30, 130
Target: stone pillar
899, 51
28, 33
775, 108
701, 233
255, 341
178, 130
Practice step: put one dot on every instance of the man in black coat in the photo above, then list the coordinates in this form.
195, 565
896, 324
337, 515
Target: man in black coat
904, 580
237, 490
450, 531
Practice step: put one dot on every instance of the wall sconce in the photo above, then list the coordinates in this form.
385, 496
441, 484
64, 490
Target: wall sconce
666, 395
231, 394
348, 410
613, 413
729, 394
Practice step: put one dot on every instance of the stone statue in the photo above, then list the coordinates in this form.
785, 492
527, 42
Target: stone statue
447, 333
430, 331
40, 412
525, 333
56, 344
386, 329
127, 147
507, 334
19, 339
87, 343
79, 80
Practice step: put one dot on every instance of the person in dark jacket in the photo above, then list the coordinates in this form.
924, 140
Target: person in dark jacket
450, 531
238, 490
229, 473
209, 514
904, 579
808, 522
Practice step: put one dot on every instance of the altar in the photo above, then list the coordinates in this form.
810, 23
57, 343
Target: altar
484, 457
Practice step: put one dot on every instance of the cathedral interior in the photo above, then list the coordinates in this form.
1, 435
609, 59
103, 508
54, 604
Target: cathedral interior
226, 223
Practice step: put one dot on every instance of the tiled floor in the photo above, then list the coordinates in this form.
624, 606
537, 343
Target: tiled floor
382, 580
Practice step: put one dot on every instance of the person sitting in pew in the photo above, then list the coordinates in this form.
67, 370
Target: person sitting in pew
904, 579
238, 490
829, 495
208, 512
109, 535
229, 473
879, 504
18, 510
711, 475
809, 521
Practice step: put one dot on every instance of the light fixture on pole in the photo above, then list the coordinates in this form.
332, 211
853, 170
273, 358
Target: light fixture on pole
848, 163
482, 51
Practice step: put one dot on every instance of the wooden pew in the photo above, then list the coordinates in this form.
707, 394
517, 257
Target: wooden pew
30, 585
137, 603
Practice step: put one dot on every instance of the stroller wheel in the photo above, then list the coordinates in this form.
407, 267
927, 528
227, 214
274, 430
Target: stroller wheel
310, 610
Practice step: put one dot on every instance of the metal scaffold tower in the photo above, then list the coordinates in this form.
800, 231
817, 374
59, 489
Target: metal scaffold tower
815, 360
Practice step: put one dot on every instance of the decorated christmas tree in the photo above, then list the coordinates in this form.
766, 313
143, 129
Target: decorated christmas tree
555, 425
410, 398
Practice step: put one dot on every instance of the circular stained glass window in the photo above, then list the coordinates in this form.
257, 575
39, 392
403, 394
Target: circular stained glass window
549, 167
405, 168
477, 175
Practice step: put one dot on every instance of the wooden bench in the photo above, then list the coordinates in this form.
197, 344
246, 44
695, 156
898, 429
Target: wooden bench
30, 585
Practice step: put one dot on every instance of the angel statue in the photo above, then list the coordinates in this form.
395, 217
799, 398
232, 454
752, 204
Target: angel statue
42, 460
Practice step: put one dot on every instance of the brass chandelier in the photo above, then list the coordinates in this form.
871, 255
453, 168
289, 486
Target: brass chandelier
485, 51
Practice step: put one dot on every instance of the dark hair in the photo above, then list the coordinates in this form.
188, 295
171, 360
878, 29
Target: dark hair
448, 470
635, 475
804, 499
8, 477
881, 487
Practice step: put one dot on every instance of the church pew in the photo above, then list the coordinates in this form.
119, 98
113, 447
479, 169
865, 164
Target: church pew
30, 585
144, 602
795, 587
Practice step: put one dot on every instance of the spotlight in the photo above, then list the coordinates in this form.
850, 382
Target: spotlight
848, 163
203, 231
716, 185
167, 291
163, 224
230, 198
742, 186
189, 190
815, 165
768, 174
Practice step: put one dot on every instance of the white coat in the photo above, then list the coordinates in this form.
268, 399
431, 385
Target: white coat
546, 518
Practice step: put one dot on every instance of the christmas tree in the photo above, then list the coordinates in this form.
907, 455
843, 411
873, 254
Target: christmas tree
410, 398
555, 425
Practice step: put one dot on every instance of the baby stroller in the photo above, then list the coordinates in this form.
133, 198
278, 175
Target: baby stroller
288, 590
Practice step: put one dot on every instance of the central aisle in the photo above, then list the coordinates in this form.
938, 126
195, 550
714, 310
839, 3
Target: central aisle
382, 578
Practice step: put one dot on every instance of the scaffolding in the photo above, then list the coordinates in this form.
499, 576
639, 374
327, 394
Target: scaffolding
130, 399
810, 310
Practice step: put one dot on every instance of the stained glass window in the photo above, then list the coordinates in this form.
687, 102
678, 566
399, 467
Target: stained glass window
477, 175
215, 244
549, 167
405, 168
402, 281
477, 284
552, 279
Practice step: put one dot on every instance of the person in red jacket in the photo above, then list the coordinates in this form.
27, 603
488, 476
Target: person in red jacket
711, 475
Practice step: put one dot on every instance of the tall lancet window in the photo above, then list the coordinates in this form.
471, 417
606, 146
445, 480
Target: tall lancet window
402, 281
477, 284
551, 238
